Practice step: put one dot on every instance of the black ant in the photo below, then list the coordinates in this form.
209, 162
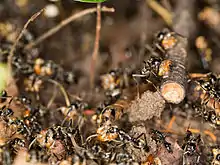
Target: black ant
113, 112
151, 66
216, 156
111, 80
73, 111
22, 126
159, 137
52, 70
165, 40
207, 114
17, 143
107, 133
191, 146
44, 68
6, 112
4, 96
54, 135
208, 92
210, 85
23, 100
116, 80
25, 125
33, 83
21, 65
98, 151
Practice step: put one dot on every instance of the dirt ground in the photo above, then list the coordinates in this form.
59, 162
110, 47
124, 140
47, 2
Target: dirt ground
122, 82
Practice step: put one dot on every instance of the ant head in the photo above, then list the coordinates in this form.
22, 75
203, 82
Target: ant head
113, 130
69, 78
115, 72
39, 61
160, 36
155, 62
3, 93
9, 112
213, 79
49, 134
204, 84
218, 157
213, 117
96, 148
188, 134
75, 105
146, 69
3, 96
25, 100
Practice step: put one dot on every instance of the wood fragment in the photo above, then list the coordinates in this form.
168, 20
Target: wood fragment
173, 87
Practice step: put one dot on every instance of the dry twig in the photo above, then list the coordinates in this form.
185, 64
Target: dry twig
96, 46
63, 24
160, 10
11, 53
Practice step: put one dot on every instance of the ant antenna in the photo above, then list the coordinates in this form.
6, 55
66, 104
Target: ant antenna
62, 90
33, 141
52, 98
64, 120
138, 87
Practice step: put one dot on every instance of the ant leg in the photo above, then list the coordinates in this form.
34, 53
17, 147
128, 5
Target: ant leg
145, 146
64, 120
204, 103
150, 49
205, 100
88, 139
158, 90
52, 97
148, 81
62, 90
138, 88
117, 141
70, 124
155, 73
37, 96
12, 98
139, 136
78, 135
80, 121
216, 103
184, 160
33, 141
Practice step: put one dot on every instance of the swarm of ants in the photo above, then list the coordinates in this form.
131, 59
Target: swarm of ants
149, 93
